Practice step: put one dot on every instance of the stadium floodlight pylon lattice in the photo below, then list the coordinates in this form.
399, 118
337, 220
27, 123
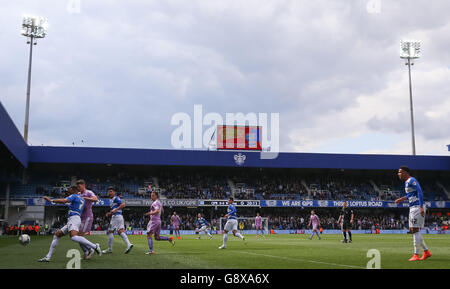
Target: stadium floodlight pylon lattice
33, 27
410, 50
249, 224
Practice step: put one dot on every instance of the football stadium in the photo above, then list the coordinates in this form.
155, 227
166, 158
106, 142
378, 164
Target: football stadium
243, 136
283, 191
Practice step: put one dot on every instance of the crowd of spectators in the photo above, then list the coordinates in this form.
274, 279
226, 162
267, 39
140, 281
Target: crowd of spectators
201, 185
193, 186
135, 220
328, 221
365, 220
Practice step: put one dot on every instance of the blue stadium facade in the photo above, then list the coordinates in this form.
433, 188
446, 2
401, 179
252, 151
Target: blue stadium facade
13, 141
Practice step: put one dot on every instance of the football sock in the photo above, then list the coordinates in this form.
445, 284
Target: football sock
163, 238
83, 241
345, 236
350, 235
416, 243
419, 242
52, 247
424, 246
84, 248
110, 241
225, 239
125, 239
239, 236
150, 244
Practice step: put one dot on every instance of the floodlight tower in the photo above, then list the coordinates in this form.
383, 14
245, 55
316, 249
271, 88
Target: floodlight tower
410, 50
33, 27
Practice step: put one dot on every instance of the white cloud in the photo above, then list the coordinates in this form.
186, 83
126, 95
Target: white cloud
115, 73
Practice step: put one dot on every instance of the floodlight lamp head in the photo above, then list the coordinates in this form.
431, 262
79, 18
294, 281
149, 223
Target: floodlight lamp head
34, 26
410, 49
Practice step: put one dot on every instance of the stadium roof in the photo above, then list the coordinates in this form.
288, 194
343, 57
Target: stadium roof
227, 158
11, 137
13, 140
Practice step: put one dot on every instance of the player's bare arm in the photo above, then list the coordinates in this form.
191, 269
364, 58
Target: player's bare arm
399, 200
60, 233
92, 199
116, 209
151, 213
57, 201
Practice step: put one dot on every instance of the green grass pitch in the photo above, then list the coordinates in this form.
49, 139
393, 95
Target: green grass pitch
275, 251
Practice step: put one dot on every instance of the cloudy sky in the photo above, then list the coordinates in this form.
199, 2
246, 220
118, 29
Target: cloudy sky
113, 73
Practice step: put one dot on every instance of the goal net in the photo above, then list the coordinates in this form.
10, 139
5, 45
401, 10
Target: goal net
247, 224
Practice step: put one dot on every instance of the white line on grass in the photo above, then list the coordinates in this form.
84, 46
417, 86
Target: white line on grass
297, 259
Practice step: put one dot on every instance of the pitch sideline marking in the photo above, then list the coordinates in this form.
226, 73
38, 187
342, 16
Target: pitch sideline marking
296, 259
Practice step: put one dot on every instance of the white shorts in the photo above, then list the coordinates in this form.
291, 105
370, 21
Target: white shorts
415, 218
202, 229
73, 224
116, 223
231, 225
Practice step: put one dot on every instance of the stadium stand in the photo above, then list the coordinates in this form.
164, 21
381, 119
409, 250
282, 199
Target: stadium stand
200, 185
280, 185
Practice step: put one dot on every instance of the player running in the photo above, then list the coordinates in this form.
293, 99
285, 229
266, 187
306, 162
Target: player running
346, 222
202, 226
414, 195
231, 224
154, 225
314, 220
258, 225
117, 222
87, 216
175, 221
76, 206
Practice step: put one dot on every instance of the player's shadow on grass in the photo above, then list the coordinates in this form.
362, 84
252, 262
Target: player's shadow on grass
193, 253
181, 253
252, 249
258, 247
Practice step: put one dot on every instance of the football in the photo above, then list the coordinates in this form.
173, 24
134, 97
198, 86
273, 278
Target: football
24, 239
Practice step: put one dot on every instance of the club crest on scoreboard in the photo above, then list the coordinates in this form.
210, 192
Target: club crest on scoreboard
239, 159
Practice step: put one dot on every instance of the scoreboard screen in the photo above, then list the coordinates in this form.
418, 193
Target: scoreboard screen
234, 137
224, 203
